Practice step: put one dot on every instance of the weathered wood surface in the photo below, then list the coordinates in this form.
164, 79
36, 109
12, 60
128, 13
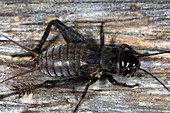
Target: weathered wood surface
143, 24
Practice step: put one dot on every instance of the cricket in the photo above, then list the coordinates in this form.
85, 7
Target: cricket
79, 62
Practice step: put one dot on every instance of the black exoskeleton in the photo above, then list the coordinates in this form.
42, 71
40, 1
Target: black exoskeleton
79, 62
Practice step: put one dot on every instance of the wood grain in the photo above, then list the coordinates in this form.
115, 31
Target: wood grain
143, 24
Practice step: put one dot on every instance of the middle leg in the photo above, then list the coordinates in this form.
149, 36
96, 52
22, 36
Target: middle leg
101, 35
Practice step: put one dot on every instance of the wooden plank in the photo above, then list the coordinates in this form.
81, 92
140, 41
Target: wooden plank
143, 24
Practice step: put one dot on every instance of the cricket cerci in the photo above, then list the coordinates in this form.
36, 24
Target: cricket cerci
79, 62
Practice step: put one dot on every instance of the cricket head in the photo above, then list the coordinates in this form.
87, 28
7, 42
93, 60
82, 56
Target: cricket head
128, 62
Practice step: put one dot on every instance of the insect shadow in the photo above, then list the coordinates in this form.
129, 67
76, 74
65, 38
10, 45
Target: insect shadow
79, 62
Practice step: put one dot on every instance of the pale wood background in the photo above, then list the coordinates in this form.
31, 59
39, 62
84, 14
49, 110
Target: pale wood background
143, 24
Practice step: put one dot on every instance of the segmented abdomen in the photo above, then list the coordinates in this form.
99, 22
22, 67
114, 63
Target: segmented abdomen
66, 60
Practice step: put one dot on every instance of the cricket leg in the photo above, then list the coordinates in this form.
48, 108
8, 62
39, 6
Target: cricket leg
68, 34
101, 36
93, 80
114, 82
29, 88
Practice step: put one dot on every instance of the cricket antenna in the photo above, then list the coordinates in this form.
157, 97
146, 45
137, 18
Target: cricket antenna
147, 54
154, 78
29, 50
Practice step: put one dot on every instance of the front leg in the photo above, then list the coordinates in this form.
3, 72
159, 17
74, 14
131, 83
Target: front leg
114, 82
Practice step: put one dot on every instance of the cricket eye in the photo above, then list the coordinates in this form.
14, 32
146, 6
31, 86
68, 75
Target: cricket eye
128, 66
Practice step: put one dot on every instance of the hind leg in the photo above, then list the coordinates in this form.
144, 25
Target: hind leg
28, 88
68, 34
68, 82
